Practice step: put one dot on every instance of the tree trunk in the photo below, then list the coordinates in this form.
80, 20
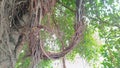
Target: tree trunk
8, 36
7, 57
63, 61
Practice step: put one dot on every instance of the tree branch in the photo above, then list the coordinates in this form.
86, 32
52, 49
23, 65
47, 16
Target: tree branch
66, 6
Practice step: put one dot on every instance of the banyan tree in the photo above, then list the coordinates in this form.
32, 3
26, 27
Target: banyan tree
31, 22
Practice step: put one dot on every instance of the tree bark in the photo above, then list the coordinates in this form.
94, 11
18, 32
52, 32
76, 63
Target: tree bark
7, 59
8, 36
63, 61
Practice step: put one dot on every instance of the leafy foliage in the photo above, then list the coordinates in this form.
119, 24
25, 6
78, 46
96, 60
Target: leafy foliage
22, 61
104, 15
45, 64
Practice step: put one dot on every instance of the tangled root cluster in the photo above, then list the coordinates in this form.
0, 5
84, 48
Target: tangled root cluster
34, 7
36, 10
19, 9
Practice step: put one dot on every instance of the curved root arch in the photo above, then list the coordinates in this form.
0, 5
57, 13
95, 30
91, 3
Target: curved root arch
45, 6
76, 38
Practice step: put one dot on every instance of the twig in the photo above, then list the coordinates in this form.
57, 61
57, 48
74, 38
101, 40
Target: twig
66, 6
